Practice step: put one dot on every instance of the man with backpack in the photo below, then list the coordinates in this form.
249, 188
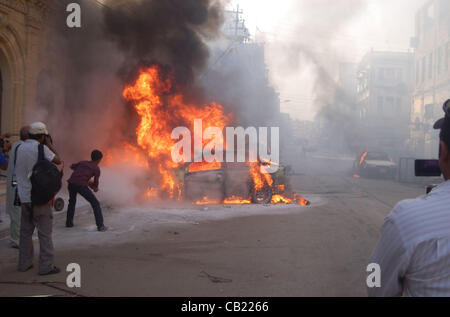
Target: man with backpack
33, 169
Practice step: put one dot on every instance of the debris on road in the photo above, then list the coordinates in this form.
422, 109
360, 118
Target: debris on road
215, 279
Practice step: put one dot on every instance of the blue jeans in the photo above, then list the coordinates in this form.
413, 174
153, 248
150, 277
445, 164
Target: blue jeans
87, 194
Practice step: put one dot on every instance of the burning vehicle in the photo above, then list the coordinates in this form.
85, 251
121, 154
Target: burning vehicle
375, 164
233, 183
161, 107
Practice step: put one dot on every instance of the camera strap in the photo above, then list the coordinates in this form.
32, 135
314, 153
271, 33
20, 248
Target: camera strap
15, 154
41, 156
16, 193
15, 159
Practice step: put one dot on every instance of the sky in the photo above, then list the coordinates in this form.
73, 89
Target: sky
333, 31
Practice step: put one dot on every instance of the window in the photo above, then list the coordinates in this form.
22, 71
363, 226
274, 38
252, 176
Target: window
444, 8
439, 66
430, 66
429, 111
380, 105
377, 156
423, 69
400, 74
418, 29
389, 104
417, 72
429, 17
381, 73
398, 106
446, 56
390, 73
430, 11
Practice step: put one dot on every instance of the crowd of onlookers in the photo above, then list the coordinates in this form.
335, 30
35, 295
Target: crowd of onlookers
32, 182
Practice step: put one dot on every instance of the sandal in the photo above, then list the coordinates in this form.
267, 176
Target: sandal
27, 269
55, 270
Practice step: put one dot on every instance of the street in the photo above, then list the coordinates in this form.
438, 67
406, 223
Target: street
173, 250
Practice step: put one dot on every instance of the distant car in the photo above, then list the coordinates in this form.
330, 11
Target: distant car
219, 181
375, 164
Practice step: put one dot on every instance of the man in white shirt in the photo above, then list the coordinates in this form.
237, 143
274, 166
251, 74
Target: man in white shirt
414, 248
40, 217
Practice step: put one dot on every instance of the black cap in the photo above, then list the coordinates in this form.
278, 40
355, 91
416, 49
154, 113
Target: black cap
440, 123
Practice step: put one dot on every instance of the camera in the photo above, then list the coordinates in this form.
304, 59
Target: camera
427, 168
17, 202
50, 138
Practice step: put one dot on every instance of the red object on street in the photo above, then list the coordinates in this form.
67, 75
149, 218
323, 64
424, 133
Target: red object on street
62, 169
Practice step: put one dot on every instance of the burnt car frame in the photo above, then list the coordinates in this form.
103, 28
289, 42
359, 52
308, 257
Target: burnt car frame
219, 181
375, 164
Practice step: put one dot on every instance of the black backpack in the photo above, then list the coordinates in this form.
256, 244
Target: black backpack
45, 180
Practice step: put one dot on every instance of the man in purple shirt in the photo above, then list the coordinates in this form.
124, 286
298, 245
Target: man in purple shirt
79, 183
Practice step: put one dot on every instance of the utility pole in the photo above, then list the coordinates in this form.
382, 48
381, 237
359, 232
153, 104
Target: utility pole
236, 20
237, 28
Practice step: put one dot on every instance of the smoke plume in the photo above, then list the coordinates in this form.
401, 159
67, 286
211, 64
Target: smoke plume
170, 32
79, 93
80, 89
314, 55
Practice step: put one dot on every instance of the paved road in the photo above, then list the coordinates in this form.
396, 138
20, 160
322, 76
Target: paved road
241, 251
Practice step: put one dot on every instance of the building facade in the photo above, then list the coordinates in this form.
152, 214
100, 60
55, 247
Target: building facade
384, 88
347, 80
432, 75
22, 33
238, 76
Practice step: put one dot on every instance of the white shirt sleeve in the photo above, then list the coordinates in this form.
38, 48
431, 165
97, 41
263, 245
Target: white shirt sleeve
48, 154
393, 259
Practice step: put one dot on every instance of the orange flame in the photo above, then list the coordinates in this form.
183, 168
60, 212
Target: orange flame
280, 199
207, 201
363, 157
234, 200
257, 176
204, 166
160, 111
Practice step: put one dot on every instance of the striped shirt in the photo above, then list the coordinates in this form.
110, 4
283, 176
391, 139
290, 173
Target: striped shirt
414, 248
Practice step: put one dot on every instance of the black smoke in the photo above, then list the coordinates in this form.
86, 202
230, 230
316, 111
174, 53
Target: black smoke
79, 94
169, 32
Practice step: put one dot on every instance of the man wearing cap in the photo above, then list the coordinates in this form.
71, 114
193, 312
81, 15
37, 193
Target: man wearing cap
414, 249
38, 216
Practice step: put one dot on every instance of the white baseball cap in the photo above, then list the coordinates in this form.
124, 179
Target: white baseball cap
38, 128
